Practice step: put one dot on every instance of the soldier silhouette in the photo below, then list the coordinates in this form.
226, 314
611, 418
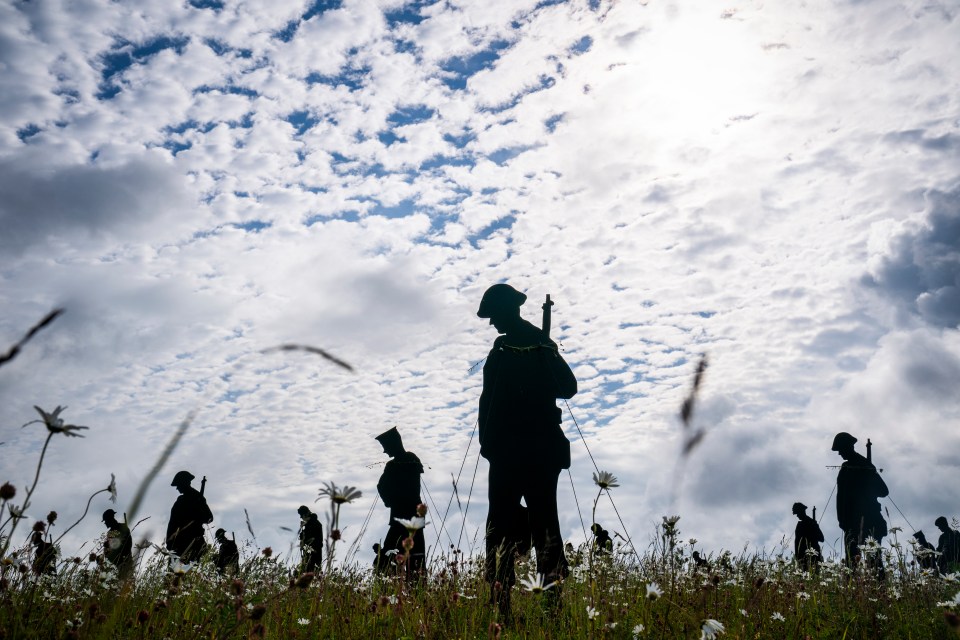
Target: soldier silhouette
521, 437
381, 561
399, 488
227, 559
806, 539
45, 555
949, 547
858, 511
925, 553
311, 540
118, 545
187, 518
602, 542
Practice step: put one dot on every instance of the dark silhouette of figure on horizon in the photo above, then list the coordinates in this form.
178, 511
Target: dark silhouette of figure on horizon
118, 545
44, 555
399, 488
806, 539
602, 542
858, 510
187, 518
227, 559
311, 540
521, 437
925, 553
699, 562
949, 547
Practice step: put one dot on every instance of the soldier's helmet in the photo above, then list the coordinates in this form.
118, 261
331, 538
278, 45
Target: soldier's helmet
182, 477
390, 439
919, 535
842, 440
799, 507
109, 514
499, 297
941, 522
304, 511
220, 533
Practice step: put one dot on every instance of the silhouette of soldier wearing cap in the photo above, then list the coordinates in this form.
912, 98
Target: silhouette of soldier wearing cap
227, 558
806, 539
187, 518
399, 488
949, 547
858, 511
521, 437
602, 542
311, 540
118, 545
925, 553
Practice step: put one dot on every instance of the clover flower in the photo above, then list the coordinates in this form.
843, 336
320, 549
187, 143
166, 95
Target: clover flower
55, 424
605, 480
711, 629
534, 583
338, 495
654, 591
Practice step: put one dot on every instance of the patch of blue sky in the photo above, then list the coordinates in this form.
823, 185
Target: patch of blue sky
233, 394
401, 210
462, 67
175, 146
28, 132
447, 161
409, 13
215, 5
253, 226
70, 96
189, 125
388, 138
544, 82
552, 122
302, 121
706, 314
316, 8
221, 48
124, 54
502, 156
548, 3
581, 46
352, 78
410, 115
227, 88
501, 224
460, 141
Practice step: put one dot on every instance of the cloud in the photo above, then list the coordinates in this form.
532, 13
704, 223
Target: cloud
921, 273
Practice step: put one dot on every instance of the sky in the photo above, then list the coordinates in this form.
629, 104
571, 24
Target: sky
774, 185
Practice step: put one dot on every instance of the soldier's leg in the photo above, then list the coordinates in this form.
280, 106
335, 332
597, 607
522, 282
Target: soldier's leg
541, 497
505, 487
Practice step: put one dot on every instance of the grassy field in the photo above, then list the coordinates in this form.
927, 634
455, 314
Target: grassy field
660, 594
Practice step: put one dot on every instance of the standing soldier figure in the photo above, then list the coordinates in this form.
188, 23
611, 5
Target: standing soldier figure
925, 554
118, 546
521, 437
399, 488
806, 539
187, 518
858, 511
228, 556
949, 547
311, 540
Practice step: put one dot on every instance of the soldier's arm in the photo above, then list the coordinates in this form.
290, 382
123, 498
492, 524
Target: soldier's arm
565, 381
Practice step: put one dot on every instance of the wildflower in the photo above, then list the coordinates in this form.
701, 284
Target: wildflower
267, 552
335, 534
777, 616
51, 517
55, 424
7, 491
670, 524
303, 621
605, 480
112, 488
534, 583
637, 630
951, 604
711, 629
744, 613
421, 510
654, 591
592, 613
803, 595
338, 495
413, 524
